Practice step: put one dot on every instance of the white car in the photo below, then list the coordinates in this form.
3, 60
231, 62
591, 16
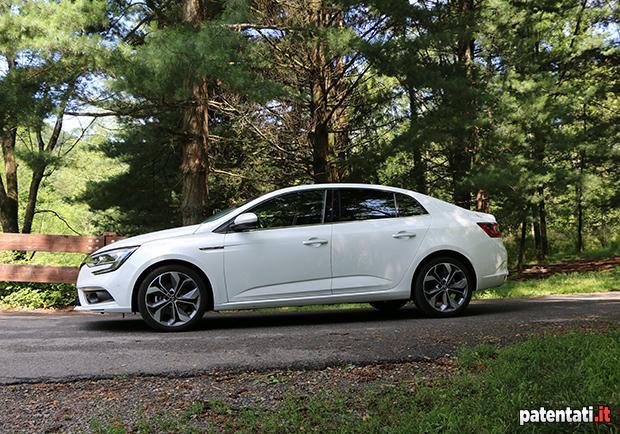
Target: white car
311, 244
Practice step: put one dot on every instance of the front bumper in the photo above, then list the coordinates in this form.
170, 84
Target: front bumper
118, 284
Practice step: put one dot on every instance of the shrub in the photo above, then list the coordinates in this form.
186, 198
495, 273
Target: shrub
24, 295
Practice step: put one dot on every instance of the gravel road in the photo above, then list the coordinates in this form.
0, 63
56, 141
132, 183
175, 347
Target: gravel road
44, 347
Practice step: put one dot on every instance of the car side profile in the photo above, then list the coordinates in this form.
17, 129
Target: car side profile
311, 244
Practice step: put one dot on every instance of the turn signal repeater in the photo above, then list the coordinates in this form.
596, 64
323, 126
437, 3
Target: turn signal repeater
491, 229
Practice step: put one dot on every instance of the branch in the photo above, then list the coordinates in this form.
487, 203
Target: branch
224, 172
59, 217
93, 114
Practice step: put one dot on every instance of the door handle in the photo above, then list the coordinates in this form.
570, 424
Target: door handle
314, 242
403, 234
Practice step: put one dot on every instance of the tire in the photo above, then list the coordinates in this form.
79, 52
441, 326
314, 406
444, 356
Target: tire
435, 296
388, 306
172, 298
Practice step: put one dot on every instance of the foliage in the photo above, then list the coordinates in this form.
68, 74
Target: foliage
43, 296
485, 395
50, 52
516, 98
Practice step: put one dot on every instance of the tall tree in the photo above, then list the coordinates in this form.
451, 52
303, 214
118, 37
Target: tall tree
47, 67
315, 49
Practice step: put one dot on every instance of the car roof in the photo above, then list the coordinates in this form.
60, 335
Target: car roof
341, 185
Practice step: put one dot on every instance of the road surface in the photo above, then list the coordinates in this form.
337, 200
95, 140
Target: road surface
67, 346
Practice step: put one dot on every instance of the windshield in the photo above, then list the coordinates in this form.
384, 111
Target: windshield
219, 214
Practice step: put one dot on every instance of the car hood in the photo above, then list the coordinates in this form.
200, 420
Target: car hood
152, 236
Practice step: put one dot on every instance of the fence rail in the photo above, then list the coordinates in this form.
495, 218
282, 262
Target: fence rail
48, 243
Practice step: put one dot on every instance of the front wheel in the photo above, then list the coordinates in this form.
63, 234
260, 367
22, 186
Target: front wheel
443, 287
172, 298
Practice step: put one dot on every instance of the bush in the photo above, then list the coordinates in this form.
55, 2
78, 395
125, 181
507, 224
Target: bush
24, 295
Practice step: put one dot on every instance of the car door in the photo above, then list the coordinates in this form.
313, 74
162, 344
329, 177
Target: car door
288, 254
373, 240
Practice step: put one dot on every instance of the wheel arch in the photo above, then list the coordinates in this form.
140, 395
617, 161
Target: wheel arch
202, 274
449, 253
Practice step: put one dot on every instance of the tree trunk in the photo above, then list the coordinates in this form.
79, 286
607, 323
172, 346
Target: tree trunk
521, 257
536, 229
33, 191
603, 234
319, 129
9, 196
39, 172
339, 137
544, 240
579, 193
327, 87
319, 138
195, 151
465, 139
419, 165
579, 199
462, 194
195, 158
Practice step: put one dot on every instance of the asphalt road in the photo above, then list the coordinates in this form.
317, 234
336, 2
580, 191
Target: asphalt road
59, 347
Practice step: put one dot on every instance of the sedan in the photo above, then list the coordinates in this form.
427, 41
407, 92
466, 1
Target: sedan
310, 244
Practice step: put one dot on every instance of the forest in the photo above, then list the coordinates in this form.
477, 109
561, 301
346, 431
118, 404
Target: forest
133, 116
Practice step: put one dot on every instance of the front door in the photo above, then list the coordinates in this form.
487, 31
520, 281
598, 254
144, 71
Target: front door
286, 256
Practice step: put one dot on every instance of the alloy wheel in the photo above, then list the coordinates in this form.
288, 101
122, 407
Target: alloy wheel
445, 287
172, 298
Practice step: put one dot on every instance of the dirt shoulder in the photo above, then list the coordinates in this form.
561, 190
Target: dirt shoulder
541, 271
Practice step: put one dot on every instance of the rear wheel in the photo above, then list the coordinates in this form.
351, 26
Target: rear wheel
172, 298
443, 287
388, 306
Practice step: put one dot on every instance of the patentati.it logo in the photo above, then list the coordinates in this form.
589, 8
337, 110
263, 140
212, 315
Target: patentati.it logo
590, 414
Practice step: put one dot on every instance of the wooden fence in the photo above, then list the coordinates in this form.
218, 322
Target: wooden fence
48, 243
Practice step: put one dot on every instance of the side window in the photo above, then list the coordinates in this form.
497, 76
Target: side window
292, 209
408, 206
366, 204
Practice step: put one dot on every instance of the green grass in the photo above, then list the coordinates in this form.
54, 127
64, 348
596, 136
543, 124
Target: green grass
485, 395
573, 283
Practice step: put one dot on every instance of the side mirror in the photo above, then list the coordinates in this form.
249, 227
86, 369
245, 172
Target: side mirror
244, 221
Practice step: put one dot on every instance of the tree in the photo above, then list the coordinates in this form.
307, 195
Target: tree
316, 53
47, 67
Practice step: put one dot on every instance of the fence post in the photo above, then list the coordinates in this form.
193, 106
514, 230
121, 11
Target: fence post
109, 238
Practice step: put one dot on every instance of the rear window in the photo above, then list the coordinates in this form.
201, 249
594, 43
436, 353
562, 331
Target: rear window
362, 204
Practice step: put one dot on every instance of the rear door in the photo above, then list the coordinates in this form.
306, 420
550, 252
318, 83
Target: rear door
375, 236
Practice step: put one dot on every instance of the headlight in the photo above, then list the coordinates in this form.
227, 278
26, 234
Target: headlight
109, 260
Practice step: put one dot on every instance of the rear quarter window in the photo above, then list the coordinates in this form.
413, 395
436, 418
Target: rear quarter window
407, 206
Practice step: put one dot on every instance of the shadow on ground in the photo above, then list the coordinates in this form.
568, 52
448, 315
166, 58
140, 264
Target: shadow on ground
268, 319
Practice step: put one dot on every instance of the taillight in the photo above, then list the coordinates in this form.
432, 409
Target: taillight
492, 229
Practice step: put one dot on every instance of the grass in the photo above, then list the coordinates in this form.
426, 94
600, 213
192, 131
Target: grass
573, 283
485, 395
